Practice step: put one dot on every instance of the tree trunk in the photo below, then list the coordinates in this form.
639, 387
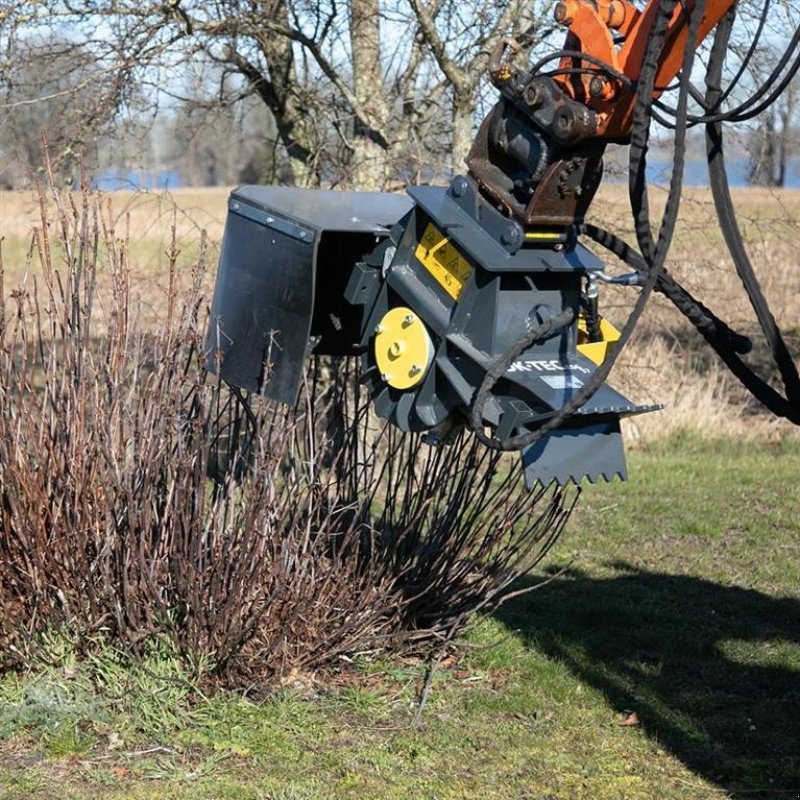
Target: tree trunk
762, 165
295, 124
463, 107
787, 112
369, 157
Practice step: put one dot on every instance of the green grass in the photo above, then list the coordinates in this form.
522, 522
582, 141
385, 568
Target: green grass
678, 602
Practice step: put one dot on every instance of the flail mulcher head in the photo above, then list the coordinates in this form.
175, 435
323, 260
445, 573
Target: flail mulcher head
475, 304
459, 315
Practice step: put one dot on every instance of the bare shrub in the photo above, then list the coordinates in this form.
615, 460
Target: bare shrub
324, 534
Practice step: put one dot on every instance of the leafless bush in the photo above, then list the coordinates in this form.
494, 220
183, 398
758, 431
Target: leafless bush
324, 534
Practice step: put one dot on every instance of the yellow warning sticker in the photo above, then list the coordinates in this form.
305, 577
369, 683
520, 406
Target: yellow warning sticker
443, 261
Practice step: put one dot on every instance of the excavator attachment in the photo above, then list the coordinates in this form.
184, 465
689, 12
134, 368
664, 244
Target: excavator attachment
476, 305
432, 292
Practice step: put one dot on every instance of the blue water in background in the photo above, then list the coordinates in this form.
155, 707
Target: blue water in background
112, 180
696, 172
658, 171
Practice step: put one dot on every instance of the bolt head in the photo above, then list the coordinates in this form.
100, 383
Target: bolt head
597, 86
533, 95
564, 122
459, 187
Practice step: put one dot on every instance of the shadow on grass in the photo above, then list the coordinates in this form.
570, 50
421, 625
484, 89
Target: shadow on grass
711, 671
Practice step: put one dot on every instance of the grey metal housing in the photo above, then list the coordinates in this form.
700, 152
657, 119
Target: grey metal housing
278, 245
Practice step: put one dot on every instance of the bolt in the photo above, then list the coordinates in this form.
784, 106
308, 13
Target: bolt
597, 86
510, 234
533, 95
408, 319
396, 349
385, 377
560, 13
459, 187
415, 370
378, 329
564, 122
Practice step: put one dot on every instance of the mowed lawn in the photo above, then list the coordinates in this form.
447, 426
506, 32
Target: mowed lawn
663, 661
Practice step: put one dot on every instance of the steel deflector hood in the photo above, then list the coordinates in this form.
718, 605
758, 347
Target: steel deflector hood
266, 281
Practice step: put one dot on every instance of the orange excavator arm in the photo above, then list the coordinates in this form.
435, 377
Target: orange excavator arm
538, 154
592, 26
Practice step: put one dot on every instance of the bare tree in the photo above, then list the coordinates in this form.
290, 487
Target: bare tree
775, 140
461, 44
361, 93
754, 70
52, 84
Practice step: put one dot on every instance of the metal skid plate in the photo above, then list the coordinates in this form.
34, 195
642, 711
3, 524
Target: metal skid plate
574, 453
266, 304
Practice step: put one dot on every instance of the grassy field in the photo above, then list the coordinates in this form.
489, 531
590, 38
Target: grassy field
662, 662
662, 659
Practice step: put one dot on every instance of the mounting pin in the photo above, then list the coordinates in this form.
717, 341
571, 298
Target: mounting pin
561, 14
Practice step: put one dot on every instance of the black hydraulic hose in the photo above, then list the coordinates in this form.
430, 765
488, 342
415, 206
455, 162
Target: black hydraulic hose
748, 111
698, 96
727, 344
591, 316
498, 368
772, 87
790, 406
751, 51
711, 326
655, 253
577, 54
653, 264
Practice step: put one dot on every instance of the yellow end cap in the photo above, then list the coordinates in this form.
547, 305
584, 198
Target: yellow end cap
403, 348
